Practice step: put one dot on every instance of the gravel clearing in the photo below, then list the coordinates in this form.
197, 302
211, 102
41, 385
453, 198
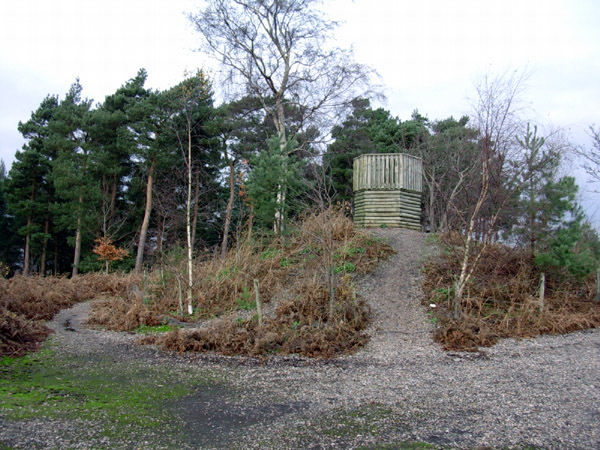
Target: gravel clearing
401, 388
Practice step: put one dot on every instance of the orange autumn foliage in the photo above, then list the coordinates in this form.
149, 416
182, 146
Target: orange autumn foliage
106, 251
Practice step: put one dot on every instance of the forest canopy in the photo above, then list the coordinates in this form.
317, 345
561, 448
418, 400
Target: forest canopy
155, 172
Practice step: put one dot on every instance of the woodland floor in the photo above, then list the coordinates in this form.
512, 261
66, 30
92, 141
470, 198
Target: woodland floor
400, 391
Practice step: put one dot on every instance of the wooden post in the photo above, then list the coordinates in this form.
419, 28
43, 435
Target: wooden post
180, 294
598, 284
542, 291
258, 302
457, 301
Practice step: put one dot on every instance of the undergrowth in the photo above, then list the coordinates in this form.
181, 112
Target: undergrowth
304, 312
502, 299
27, 302
305, 284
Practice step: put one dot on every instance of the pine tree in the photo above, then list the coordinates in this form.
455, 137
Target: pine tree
9, 245
241, 135
155, 147
72, 170
29, 189
565, 249
271, 170
537, 200
112, 145
369, 131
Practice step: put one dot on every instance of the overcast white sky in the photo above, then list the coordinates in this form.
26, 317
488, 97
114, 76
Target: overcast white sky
429, 54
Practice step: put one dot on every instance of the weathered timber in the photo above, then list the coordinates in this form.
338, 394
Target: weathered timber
387, 190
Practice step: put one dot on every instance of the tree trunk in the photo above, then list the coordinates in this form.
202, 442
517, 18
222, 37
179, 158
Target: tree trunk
465, 272
231, 164
45, 246
278, 226
188, 222
281, 194
77, 256
195, 214
27, 249
139, 260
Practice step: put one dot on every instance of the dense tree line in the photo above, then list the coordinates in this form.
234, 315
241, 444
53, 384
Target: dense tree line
89, 172
157, 171
509, 184
152, 172
160, 173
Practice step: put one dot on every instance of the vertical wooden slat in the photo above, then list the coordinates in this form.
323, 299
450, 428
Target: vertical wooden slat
391, 181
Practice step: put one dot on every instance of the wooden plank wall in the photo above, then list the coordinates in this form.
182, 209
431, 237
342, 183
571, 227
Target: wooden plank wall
390, 208
383, 171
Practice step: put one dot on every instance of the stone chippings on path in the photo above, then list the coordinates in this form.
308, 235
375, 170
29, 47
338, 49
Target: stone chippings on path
538, 393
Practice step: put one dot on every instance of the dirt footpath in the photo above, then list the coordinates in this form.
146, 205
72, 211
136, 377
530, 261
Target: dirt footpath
399, 390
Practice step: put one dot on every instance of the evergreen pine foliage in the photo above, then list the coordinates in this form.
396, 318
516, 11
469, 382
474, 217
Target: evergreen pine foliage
272, 169
10, 243
565, 248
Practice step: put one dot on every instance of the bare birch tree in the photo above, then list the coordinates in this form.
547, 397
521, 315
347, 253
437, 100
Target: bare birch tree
190, 97
591, 156
277, 51
496, 116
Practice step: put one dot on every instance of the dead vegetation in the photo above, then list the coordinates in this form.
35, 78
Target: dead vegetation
26, 302
304, 281
503, 299
306, 311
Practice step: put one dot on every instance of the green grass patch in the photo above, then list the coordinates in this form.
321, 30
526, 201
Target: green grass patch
287, 262
346, 267
349, 250
432, 238
244, 302
122, 394
270, 253
146, 329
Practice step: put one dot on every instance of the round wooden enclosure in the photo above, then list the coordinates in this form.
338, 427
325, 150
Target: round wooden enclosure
387, 190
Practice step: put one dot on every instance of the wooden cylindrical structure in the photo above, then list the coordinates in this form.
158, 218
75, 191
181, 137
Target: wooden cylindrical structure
387, 190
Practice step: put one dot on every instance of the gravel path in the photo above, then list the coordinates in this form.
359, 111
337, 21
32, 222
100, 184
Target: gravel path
537, 393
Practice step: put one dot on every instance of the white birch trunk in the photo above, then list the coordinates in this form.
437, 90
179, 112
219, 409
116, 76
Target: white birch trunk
281, 194
465, 273
190, 307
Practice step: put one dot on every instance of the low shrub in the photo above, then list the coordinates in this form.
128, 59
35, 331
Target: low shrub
26, 302
502, 299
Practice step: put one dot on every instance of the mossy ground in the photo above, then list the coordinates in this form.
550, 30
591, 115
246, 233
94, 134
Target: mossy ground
120, 399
